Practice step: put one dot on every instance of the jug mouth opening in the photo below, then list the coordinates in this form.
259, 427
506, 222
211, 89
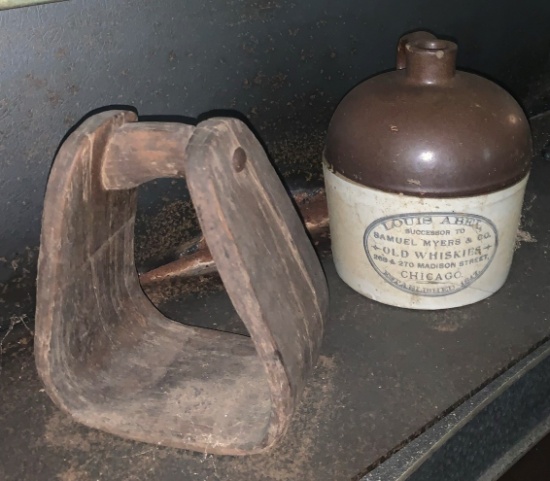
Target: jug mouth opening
435, 44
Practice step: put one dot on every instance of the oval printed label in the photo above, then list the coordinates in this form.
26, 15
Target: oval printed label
431, 254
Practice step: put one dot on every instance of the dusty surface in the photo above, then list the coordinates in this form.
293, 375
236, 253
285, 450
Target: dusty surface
384, 375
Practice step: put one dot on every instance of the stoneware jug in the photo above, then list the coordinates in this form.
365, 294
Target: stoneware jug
425, 171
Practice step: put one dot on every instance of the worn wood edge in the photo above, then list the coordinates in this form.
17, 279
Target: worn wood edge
302, 252
139, 152
316, 280
76, 145
200, 147
207, 136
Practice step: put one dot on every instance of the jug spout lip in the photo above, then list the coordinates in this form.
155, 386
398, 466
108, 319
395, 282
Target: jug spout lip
401, 62
430, 61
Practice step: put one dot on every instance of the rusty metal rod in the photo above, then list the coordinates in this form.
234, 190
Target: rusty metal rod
195, 258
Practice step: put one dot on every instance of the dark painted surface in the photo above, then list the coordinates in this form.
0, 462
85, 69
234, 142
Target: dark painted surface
480, 445
534, 466
283, 64
490, 431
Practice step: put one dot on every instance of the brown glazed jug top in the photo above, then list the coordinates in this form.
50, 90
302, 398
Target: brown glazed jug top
426, 129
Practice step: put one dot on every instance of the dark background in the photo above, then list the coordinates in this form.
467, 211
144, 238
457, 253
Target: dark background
282, 64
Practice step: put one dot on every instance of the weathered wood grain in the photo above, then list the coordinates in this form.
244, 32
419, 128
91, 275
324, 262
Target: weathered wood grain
109, 357
138, 152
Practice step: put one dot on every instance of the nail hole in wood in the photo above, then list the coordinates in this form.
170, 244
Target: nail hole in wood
239, 159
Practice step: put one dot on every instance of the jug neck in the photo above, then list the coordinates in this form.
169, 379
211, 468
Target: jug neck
430, 62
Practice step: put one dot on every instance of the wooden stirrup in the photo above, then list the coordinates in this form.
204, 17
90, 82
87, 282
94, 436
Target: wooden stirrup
108, 357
